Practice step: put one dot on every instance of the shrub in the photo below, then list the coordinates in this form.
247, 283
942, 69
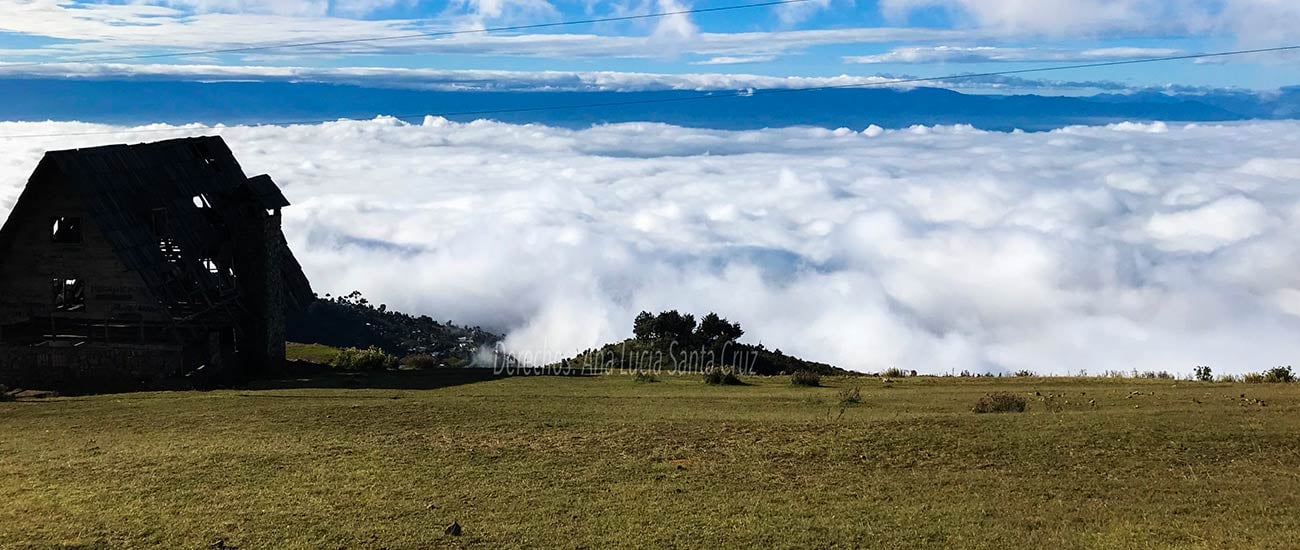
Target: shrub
1023, 373
1275, 375
419, 362
1203, 374
717, 377
806, 378
893, 372
368, 359
1279, 375
1000, 402
1163, 375
850, 396
644, 376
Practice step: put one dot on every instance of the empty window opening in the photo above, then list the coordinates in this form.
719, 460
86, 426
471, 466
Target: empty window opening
201, 201
171, 250
211, 266
65, 230
69, 294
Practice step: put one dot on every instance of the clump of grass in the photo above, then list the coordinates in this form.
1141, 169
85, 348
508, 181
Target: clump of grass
644, 377
806, 378
1024, 373
419, 362
718, 377
850, 396
1000, 402
368, 359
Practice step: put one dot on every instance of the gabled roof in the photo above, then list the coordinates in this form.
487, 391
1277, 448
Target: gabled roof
266, 192
200, 188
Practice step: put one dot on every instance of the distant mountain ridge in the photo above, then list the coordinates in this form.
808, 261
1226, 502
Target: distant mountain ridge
139, 102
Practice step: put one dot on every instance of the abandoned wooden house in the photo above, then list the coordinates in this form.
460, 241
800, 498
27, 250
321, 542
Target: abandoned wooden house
134, 266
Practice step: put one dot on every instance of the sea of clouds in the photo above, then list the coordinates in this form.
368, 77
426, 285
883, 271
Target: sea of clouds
939, 249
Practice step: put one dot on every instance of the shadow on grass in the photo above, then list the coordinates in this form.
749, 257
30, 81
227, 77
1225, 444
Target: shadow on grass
301, 377
304, 375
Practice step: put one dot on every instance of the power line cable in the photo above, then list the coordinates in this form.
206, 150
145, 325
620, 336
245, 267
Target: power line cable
711, 95
435, 34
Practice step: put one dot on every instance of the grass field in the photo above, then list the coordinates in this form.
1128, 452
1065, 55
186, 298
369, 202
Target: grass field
605, 462
312, 353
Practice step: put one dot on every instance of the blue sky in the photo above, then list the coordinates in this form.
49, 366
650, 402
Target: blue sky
818, 38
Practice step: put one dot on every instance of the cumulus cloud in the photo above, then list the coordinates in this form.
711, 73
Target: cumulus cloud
480, 12
315, 8
935, 248
796, 13
732, 60
1252, 22
1066, 17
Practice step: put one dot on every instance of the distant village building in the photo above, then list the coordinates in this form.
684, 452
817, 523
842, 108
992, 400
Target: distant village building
129, 266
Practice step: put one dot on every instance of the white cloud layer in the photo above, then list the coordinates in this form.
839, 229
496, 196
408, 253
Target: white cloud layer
497, 80
97, 30
939, 249
995, 54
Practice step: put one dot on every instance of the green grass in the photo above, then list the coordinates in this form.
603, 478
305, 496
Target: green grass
314, 353
604, 462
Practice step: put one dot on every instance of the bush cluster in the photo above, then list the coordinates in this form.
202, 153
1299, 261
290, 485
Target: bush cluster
1162, 375
895, 372
420, 362
368, 359
806, 378
1279, 375
645, 377
999, 402
1275, 375
718, 377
